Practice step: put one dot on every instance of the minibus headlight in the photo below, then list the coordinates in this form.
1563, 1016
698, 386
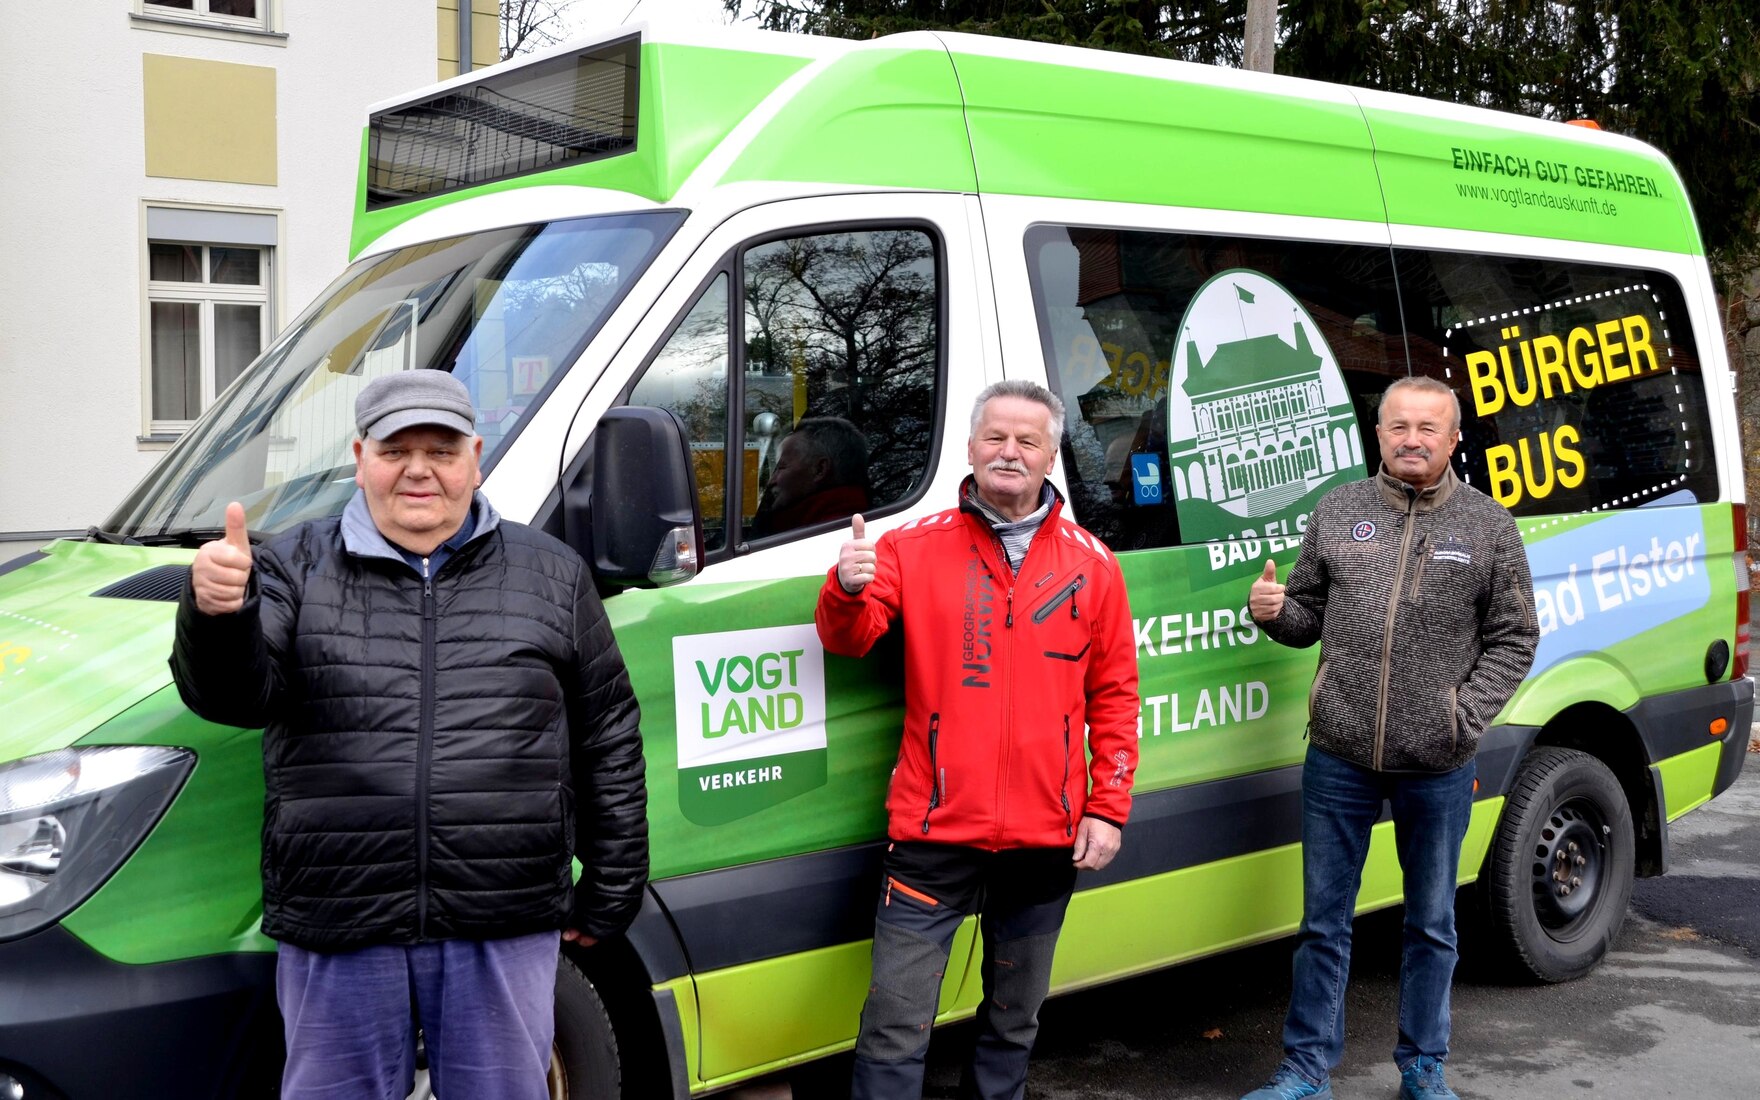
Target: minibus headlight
68, 820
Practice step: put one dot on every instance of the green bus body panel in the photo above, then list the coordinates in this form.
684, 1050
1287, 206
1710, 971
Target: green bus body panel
1194, 654
1689, 778
775, 1013
913, 116
1129, 927
691, 98
872, 118
1668, 657
1067, 131
1218, 697
862, 731
684, 995
69, 663
1591, 678
799, 1007
96, 674
1456, 175
194, 887
1072, 132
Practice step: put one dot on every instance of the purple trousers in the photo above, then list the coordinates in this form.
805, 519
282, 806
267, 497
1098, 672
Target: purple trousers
485, 1008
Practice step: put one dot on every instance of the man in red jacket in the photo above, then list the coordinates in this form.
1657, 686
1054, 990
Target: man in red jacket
1018, 642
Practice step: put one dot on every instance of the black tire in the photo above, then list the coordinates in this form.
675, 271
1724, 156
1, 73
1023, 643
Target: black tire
584, 1061
1559, 873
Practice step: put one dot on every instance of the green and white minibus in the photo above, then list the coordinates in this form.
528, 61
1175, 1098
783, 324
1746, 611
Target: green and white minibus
651, 254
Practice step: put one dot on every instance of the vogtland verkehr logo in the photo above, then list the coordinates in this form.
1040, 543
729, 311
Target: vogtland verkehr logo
751, 720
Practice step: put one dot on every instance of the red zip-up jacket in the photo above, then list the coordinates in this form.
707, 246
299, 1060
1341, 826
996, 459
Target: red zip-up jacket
1002, 673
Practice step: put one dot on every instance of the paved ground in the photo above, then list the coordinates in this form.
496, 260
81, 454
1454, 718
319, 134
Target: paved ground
1673, 1012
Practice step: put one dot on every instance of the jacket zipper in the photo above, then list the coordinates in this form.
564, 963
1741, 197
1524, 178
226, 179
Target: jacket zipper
424, 749
1419, 555
1314, 695
1008, 681
1069, 824
1067, 592
1454, 722
1001, 558
937, 777
1399, 582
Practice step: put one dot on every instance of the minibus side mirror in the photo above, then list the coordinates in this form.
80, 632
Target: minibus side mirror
647, 530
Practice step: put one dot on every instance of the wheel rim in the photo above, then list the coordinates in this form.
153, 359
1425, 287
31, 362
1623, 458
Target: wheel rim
556, 1081
1570, 867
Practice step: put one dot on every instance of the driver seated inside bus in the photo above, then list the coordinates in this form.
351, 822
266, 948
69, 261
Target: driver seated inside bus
821, 474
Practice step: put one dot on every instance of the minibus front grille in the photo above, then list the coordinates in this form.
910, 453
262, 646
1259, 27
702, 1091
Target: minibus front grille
162, 582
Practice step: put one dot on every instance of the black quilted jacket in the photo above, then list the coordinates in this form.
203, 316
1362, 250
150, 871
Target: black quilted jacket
1424, 610
433, 757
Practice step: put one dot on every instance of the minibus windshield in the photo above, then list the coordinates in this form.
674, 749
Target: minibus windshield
506, 311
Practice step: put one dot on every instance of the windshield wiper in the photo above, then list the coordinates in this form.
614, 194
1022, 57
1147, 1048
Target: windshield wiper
97, 534
190, 538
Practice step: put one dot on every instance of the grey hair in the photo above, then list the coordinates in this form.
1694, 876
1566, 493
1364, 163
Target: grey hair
1030, 391
1422, 384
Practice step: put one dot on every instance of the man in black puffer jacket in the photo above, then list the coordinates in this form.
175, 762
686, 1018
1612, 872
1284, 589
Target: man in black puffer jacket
447, 720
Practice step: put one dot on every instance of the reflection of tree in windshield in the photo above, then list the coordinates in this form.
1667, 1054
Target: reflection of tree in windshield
853, 315
504, 310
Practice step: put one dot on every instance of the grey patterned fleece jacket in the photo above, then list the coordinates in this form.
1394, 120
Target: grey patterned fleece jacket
1424, 609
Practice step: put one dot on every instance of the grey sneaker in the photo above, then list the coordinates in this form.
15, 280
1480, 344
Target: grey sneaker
1287, 1084
1422, 1080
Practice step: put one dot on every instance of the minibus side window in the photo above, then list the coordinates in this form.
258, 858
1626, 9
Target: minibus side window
1579, 384
689, 376
833, 379
1214, 387
841, 375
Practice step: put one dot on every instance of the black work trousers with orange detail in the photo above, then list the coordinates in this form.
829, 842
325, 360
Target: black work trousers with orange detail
1021, 896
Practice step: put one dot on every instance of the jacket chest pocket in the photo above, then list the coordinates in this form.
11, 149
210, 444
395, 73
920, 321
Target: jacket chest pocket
1447, 578
1060, 627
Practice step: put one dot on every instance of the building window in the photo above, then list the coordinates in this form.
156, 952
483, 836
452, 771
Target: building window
243, 14
207, 318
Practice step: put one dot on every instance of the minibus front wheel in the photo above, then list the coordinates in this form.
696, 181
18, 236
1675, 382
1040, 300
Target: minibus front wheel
583, 1059
1559, 872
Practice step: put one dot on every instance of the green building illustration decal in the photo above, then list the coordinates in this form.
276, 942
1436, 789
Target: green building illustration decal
1259, 423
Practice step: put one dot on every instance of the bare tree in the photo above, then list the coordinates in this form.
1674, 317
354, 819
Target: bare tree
531, 25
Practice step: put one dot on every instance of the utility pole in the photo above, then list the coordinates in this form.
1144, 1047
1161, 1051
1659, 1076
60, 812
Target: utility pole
1260, 53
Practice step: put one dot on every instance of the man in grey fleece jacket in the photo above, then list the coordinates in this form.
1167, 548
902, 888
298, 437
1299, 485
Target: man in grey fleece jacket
1417, 588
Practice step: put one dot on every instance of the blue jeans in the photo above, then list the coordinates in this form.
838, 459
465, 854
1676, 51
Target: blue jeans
1340, 802
486, 1008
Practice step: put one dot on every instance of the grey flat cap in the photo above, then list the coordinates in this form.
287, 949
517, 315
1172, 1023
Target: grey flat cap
393, 402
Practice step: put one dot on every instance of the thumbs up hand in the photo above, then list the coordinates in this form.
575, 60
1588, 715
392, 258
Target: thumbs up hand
855, 560
222, 568
1266, 601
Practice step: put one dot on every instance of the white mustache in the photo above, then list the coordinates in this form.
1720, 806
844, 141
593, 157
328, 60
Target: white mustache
1007, 464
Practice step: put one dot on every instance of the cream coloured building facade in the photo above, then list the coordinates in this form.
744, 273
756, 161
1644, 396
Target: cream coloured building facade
176, 184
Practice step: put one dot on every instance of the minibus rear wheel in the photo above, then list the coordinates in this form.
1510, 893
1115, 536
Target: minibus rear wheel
1559, 872
583, 1059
